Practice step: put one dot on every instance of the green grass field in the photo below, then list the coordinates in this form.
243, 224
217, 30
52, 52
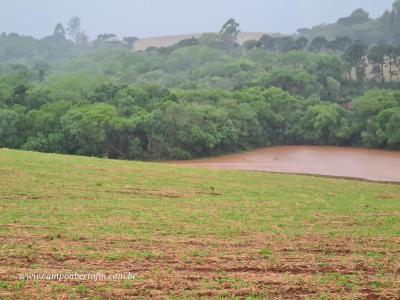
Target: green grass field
192, 233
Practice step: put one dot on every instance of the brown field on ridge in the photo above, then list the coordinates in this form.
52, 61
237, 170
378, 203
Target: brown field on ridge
165, 41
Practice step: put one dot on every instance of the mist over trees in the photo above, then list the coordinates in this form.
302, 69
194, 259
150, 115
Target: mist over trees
359, 26
202, 96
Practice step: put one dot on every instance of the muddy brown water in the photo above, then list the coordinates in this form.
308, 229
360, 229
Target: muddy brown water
375, 165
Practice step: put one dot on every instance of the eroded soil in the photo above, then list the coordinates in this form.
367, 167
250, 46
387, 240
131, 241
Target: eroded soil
258, 266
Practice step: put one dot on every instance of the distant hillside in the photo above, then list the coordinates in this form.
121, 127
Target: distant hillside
360, 26
165, 41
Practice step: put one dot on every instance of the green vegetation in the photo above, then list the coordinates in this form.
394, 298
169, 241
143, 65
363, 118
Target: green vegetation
199, 97
359, 26
257, 234
196, 233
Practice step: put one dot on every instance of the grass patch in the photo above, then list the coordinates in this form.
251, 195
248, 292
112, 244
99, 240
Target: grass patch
136, 255
92, 215
267, 253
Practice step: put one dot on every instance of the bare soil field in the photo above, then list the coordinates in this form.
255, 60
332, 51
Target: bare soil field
254, 266
165, 41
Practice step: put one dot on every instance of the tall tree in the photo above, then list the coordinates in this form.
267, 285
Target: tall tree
355, 56
377, 57
396, 8
395, 20
392, 61
59, 31
230, 31
74, 29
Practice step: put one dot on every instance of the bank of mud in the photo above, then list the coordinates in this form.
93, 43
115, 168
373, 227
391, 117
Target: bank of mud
357, 163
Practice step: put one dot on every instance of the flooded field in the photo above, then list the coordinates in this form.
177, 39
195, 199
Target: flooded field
377, 165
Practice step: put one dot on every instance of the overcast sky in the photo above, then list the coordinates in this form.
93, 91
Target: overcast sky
146, 18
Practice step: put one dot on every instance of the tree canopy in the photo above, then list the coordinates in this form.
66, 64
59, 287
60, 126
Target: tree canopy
201, 96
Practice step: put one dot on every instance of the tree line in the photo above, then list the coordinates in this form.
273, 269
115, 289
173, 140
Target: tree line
360, 26
196, 98
151, 122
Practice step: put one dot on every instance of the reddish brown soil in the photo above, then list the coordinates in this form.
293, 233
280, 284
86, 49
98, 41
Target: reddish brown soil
294, 268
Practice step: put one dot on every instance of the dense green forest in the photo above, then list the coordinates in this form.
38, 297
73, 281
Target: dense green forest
204, 96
